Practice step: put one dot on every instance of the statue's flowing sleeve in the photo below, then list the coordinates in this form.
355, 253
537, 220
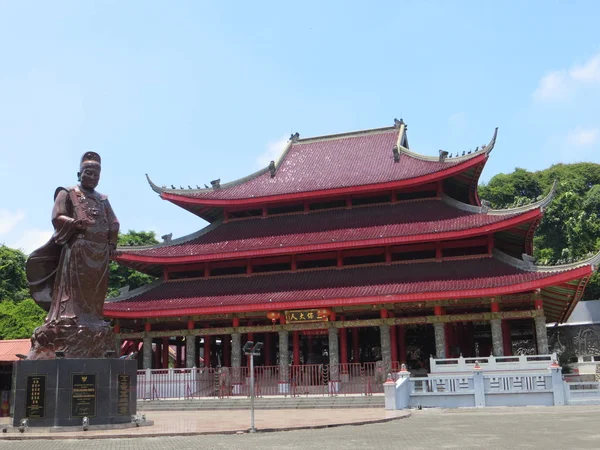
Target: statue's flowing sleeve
42, 263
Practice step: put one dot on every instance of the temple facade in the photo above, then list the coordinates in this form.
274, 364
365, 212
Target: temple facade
350, 249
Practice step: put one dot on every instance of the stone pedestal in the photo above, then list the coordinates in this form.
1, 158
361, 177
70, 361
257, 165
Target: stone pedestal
61, 392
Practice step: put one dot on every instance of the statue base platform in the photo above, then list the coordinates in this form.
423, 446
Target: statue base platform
71, 392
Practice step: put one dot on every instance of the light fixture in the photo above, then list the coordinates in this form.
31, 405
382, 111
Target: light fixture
60, 354
109, 354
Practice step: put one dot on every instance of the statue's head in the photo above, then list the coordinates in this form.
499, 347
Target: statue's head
89, 170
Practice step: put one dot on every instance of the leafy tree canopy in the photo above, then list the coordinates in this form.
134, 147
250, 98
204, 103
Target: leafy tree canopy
19, 319
570, 229
13, 282
121, 276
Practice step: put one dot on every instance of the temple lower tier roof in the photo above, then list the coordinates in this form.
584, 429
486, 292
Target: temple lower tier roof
561, 286
388, 224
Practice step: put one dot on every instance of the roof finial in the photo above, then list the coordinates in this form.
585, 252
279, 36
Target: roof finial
167, 238
443, 155
272, 169
294, 137
216, 184
396, 153
398, 123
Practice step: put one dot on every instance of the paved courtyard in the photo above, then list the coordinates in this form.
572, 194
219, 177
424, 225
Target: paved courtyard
492, 428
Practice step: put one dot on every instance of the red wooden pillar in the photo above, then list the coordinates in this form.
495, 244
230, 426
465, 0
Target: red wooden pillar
344, 347
207, 361
165, 353
401, 344
355, 348
296, 344
268, 349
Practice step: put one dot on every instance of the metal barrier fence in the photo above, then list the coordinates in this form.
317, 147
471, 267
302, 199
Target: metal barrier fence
310, 379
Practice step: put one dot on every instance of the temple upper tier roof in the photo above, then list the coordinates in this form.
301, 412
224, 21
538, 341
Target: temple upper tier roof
333, 163
384, 224
500, 274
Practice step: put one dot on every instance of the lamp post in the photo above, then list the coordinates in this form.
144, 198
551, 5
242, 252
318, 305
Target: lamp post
251, 349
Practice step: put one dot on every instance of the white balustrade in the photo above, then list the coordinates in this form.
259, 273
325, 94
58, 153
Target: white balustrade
491, 363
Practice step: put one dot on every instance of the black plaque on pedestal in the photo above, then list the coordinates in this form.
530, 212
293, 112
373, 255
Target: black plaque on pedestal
124, 391
83, 399
36, 396
60, 392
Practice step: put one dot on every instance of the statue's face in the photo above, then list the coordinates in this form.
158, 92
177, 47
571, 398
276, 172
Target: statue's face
90, 176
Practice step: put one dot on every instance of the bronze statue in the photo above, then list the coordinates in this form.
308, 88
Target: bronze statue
69, 275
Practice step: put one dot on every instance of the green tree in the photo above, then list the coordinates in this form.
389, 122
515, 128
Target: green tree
121, 276
570, 228
19, 319
13, 282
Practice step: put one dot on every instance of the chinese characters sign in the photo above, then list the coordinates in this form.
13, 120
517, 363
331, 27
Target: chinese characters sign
36, 396
304, 315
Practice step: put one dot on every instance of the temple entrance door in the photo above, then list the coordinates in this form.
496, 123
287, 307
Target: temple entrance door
420, 345
314, 347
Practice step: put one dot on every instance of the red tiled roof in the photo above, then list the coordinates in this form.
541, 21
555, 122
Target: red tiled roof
330, 287
362, 223
329, 163
9, 349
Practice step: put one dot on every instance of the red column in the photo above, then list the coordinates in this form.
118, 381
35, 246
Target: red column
401, 344
355, 349
296, 342
165, 353
268, 349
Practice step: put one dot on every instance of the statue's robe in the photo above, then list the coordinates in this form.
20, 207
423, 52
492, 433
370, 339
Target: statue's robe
69, 275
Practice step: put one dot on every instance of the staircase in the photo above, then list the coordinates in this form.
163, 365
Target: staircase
275, 402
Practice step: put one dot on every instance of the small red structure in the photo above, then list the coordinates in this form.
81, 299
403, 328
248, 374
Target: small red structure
395, 246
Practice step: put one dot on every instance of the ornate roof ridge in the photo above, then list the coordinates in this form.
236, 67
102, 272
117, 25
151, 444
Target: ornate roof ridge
347, 134
527, 262
484, 150
541, 204
135, 292
180, 240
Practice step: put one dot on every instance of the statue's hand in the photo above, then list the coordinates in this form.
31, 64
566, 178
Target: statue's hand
82, 224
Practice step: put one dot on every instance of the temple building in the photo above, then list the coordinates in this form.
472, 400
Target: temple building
350, 249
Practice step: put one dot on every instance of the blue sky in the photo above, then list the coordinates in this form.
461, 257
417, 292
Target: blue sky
192, 91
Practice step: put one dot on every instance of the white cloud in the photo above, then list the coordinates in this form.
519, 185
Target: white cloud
31, 239
9, 220
273, 151
583, 137
563, 84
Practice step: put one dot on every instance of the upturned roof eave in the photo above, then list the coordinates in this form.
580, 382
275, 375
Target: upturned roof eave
130, 254
304, 195
549, 280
